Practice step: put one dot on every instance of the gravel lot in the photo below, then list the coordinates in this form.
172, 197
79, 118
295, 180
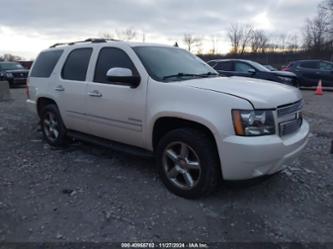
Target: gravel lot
88, 193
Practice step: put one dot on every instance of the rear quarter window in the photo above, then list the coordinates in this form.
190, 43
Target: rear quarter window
45, 63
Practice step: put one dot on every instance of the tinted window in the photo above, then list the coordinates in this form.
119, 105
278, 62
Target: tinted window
325, 66
45, 63
76, 65
242, 67
225, 66
109, 58
310, 64
10, 66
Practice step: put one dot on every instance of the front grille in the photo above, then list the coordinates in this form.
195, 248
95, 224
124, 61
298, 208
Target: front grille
290, 127
290, 108
290, 118
20, 75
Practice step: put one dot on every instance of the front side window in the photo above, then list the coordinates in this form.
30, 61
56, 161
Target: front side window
172, 64
76, 65
45, 63
242, 67
109, 58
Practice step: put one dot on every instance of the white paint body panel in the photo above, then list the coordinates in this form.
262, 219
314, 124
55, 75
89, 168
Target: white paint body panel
128, 115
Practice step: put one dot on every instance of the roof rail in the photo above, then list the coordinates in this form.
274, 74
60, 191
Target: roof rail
90, 40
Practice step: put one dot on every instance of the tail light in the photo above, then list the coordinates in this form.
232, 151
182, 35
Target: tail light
27, 89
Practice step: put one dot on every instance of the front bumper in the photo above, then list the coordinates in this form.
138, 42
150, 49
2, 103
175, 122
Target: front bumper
249, 157
17, 81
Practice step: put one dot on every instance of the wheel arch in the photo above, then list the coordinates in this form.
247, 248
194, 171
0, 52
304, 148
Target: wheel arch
42, 102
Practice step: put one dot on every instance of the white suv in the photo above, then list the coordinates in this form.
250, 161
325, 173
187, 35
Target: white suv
158, 99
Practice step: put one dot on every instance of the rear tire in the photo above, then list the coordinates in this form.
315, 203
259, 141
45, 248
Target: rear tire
53, 128
188, 163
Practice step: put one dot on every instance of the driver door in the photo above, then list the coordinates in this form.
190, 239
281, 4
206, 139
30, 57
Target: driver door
115, 110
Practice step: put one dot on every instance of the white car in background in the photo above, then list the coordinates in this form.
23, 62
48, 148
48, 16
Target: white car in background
148, 98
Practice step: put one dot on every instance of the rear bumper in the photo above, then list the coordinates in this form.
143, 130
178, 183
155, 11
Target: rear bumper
249, 157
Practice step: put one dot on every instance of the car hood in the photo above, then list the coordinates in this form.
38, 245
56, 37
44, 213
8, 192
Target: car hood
283, 73
17, 71
262, 94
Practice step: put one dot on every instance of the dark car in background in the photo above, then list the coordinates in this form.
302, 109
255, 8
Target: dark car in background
271, 68
14, 73
310, 72
246, 68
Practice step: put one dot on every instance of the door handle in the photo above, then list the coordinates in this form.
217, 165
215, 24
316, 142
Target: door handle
59, 88
95, 93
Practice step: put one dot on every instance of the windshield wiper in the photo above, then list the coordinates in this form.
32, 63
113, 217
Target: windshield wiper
208, 74
180, 75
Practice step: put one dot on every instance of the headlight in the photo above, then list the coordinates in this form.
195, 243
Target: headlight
9, 75
285, 79
253, 122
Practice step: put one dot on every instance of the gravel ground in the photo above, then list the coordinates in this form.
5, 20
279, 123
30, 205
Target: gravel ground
87, 193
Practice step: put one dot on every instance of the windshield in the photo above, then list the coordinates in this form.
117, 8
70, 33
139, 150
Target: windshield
259, 66
10, 66
173, 64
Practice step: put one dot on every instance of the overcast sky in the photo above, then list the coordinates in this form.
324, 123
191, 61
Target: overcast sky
28, 26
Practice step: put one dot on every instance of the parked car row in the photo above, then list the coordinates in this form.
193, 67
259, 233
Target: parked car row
305, 73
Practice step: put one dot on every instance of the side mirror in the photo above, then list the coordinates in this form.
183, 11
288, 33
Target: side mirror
123, 75
252, 71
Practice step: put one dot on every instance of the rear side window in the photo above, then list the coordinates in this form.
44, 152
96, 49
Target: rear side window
45, 63
325, 66
224, 66
109, 58
76, 65
310, 65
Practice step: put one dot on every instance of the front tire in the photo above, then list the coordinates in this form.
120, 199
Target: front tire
188, 163
52, 126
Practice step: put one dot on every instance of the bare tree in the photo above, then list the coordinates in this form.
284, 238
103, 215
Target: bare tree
108, 36
235, 34
315, 31
247, 32
214, 41
259, 41
240, 37
11, 57
191, 41
126, 34
292, 43
327, 8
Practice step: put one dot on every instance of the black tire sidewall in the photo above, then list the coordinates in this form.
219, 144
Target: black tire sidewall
61, 140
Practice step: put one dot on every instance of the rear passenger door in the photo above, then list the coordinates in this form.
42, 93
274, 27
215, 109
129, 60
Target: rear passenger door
115, 110
70, 89
326, 72
310, 73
